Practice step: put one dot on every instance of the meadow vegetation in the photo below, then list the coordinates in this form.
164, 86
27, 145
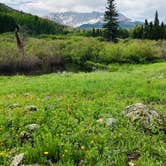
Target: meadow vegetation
68, 107
49, 53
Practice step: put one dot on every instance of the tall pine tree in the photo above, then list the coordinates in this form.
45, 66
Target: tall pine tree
111, 18
156, 28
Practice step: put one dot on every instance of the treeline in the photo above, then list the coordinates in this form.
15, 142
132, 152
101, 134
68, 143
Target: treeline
151, 30
9, 18
99, 32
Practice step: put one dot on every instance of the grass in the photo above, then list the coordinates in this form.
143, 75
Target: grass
69, 106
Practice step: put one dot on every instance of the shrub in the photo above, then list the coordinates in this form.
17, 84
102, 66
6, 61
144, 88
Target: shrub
75, 52
111, 53
139, 52
91, 66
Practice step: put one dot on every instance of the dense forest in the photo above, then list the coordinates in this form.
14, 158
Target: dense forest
9, 18
151, 30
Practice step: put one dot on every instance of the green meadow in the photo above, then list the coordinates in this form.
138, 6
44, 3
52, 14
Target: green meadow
67, 109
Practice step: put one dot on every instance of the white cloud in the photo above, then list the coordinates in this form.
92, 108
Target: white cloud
135, 9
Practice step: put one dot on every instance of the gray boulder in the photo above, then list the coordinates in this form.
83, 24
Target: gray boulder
32, 127
107, 121
17, 160
111, 121
26, 135
148, 117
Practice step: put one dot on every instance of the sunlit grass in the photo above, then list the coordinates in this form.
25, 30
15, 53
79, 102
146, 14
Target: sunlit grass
68, 107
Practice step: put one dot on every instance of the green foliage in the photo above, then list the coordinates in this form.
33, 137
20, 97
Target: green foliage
50, 53
111, 17
32, 24
7, 23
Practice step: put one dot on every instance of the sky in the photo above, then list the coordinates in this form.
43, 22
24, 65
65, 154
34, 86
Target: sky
135, 9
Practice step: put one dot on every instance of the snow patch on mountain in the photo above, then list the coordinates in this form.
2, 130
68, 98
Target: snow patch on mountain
76, 19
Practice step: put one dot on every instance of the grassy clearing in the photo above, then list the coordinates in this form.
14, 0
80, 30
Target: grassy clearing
69, 106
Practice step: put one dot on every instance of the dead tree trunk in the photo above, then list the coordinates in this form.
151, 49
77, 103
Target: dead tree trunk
20, 43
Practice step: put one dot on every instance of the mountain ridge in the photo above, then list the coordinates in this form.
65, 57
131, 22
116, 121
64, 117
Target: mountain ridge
92, 19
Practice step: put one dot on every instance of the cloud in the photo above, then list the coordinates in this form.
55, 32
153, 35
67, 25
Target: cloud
135, 9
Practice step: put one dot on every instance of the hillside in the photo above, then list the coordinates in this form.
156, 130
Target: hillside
60, 118
89, 20
32, 24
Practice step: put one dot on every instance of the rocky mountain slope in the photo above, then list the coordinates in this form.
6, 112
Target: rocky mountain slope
89, 20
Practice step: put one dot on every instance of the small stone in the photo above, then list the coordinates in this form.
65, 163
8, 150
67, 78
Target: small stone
131, 163
47, 98
13, 106
111, 121
49, 163
32, 127
26, 94
17, 160
100, 121
32, 108
24, 136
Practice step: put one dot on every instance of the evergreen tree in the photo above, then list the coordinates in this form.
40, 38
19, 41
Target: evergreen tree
162, 31
150, 30
156, 20
93, 32
111, 27
156, 28
138, 32
153, 30
146, 30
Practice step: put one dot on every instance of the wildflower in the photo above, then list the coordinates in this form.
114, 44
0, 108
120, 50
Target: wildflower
45, 153
2, 154
92, 142
82, 147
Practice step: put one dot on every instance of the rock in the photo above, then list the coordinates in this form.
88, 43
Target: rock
111, 122
24, 136
101, 121
147, 117
17, 160
26, 94
32, 108
107, 121
132, 157
13, 106
49, 163
32, 127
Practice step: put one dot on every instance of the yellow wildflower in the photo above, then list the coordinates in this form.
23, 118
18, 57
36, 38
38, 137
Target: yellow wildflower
92, 142
82, 147
45, 153
2, 153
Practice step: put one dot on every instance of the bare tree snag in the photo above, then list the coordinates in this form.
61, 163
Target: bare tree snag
20, 43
